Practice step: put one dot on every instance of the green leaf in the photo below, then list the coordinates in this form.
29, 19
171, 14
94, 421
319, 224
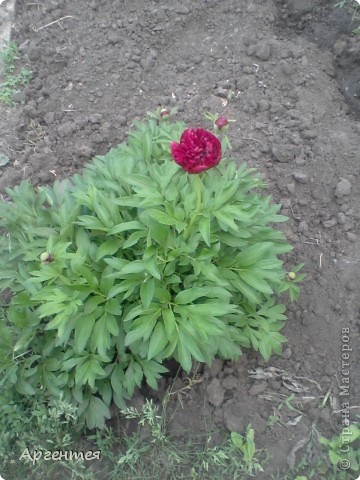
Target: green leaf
107, 248
124, 227
117, 380
88, 371
116, 263
158, 341
101, 340
207, 325
184, 355
112, 325
211, 272
92, 303
248, 292
91, 223
106, 392
161, 217
204, 227
139, 181
127, 201
89, 276
211, 309
265, 349
256, 281
96, 413
82, 240
107, 280
225, 194
103, 214
226, 220
133, 376
335, 458
237, 440
83, 329
133, 267
24, 388
152, 267
136, 311
72, 362
147, 146
188, 296
142, 328
113, 306
252, 254
187, 338
134, 238
169, 322
152, 371
147, 291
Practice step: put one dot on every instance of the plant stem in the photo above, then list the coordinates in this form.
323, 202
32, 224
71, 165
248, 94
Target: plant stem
198, 207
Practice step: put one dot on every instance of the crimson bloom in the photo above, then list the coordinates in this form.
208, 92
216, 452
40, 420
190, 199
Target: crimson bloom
197, 151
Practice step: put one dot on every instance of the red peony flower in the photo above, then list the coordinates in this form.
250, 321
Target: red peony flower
221, 122
197, 151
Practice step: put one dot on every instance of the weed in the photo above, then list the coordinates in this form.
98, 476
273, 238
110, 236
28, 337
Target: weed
34, 135
342, 452
29, 429
8, 58
272, 420
152, 453
246, 445
339, 459
12, 79
353, 7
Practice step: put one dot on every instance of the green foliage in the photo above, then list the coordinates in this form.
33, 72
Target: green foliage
339, 458
151, 452
343, 450
31, 428
111, 273
246, 444
11, 78
353, 7
28, 428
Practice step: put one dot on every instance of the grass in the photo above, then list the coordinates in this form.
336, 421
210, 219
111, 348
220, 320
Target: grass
148, 453
12, 78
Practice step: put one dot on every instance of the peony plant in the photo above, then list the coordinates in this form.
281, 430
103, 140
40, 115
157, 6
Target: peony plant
162, 249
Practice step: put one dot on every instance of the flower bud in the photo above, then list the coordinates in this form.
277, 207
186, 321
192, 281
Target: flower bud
291, 275
221, 122
46, 257
164, 113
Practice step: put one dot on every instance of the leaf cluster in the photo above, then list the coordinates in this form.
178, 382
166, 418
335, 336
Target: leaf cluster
11, 77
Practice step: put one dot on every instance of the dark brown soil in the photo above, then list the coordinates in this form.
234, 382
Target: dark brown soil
292, 69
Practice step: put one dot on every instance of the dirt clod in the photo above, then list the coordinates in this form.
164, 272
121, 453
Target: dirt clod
215, 392
343, 188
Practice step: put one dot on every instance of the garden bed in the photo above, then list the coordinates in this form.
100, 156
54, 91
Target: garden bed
279, 71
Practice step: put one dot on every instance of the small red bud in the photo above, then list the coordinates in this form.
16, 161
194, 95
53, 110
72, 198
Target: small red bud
164, 113
221, 122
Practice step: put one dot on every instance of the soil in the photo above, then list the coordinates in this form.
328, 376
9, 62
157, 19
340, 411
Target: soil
292, 71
